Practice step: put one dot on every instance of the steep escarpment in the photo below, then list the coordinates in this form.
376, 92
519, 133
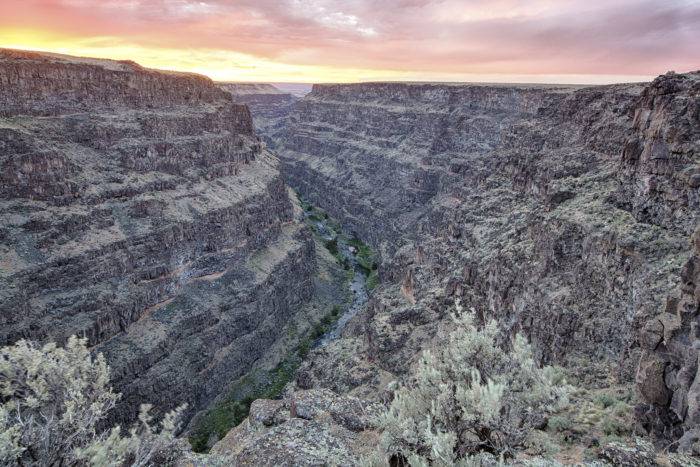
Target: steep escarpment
563, 212
660, 162
658, 171
392, 144
140, 209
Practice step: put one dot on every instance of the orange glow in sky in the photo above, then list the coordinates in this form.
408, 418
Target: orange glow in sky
571, 41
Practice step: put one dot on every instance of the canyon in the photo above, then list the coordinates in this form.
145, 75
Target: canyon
151, 212
564, 212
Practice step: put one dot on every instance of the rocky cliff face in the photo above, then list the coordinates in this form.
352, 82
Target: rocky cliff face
269, 106
667, 376
139, 209
563, 212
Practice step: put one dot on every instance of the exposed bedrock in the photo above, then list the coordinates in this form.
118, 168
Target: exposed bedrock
659, 164
667, 376
564, 212
139, 209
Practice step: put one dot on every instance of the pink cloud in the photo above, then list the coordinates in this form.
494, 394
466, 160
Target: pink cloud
468, 36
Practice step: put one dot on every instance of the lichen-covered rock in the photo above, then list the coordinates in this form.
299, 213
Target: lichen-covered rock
310, 428
266, 412
641, 454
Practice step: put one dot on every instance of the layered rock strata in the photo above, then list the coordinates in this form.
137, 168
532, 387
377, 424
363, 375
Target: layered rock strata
139, 209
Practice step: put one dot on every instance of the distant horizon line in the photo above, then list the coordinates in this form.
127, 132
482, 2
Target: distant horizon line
523, 79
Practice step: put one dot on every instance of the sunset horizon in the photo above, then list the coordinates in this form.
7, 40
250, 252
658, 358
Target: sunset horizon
504, 41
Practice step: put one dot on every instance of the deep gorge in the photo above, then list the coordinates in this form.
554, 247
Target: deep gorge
564, 212
159, 221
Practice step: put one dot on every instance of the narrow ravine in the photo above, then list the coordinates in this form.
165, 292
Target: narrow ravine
358, 285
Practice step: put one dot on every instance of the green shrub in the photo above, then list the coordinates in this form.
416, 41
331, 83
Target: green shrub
560, 423
304, 348
372, 280
54, 399
621, 410
332, 246
605, 400
469, 397
613, 426
365, 256
144, 445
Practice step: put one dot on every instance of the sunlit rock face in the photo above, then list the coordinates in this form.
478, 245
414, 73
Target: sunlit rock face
139, 209
563, 212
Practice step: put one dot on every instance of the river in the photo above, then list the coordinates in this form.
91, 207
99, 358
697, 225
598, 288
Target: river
357, 287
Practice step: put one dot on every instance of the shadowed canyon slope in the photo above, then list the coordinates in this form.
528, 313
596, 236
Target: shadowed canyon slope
140, 209
563, 212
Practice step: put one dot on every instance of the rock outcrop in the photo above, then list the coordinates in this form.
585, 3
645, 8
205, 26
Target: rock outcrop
660, 164
138, 208
315, 427
563, 212
667, 377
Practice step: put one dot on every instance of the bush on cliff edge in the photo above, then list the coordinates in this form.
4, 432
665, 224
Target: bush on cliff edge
470, 398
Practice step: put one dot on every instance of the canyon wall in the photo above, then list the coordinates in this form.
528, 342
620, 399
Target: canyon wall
563, 212
268, 105
139, 209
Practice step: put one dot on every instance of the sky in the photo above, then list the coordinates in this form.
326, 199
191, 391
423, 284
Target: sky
559, 41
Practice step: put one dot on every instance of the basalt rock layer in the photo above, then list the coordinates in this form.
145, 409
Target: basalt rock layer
139, 209
562, 212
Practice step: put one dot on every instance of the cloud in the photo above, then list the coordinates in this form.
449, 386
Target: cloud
453, 37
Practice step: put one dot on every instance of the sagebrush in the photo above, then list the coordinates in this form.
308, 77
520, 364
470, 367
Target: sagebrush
470, 399
52, 401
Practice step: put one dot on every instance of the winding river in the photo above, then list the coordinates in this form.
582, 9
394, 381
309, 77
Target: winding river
358, 285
